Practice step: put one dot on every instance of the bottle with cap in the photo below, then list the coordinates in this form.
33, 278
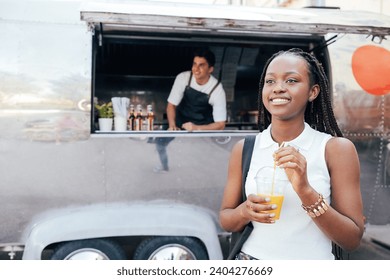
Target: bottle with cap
132, 118
150, 117
138, 118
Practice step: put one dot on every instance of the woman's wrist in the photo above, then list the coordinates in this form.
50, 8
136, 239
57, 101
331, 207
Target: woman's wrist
242, 209
308, 196
318, 208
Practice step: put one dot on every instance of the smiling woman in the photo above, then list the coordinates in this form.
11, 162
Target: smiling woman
307, 148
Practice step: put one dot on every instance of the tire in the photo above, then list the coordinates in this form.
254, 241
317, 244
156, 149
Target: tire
171, 248
89, 249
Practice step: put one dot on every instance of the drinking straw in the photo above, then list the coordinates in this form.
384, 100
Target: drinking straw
273, 175
120, 105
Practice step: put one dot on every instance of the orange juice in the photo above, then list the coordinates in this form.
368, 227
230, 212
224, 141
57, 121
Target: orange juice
275, 199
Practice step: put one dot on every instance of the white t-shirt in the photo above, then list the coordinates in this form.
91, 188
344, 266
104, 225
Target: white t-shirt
294, 235
217, 99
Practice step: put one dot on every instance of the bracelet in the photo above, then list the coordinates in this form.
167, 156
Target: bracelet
318, 208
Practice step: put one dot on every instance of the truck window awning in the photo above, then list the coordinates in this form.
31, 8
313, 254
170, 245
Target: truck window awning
154, 16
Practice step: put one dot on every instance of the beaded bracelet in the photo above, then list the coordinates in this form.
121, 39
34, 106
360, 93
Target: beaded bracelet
318, 208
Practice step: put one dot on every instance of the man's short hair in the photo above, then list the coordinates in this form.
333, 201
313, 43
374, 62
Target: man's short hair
206, 54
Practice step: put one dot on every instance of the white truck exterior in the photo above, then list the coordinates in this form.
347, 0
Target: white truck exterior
68, 191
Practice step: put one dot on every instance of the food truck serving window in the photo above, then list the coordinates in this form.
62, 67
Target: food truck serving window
143, 67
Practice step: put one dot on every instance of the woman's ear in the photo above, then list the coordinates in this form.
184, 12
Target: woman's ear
314, 92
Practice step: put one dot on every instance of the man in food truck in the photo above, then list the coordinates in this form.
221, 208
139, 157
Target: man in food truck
197, 101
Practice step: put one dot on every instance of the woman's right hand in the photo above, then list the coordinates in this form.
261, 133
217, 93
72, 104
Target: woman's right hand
255, 209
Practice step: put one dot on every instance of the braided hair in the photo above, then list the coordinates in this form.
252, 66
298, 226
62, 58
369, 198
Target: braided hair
319, 113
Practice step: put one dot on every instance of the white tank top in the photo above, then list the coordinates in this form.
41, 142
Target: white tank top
294, 235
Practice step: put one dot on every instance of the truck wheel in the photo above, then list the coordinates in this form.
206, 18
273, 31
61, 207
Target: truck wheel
171, 248
89, 249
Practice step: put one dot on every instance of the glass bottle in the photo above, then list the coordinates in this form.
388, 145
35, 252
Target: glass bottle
138, 118
132, 118
150, 117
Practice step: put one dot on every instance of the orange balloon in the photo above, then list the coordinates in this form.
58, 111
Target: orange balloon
371, 69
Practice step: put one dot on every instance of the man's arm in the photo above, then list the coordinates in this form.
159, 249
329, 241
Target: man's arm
212, 126
171, 115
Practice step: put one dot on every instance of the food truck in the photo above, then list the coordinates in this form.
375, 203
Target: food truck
70, 190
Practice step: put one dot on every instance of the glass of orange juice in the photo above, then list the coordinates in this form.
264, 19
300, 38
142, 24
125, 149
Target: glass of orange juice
271, 182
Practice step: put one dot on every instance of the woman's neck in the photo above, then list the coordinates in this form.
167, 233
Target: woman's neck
285, 130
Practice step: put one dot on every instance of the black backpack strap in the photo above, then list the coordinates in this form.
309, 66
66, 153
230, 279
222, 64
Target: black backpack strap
246, 160
238, 238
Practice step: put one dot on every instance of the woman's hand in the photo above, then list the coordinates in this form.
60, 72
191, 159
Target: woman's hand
255, 208
295, 166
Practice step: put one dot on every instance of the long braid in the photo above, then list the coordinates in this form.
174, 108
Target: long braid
264, 119
319, 113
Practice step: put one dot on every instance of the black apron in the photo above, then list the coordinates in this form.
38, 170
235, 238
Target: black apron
194, 107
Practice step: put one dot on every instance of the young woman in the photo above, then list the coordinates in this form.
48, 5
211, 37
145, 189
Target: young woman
322, 203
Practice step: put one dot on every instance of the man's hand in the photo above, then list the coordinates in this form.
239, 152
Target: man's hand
173, 128
189, 126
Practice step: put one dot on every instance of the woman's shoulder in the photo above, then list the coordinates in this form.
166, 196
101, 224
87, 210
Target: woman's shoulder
340, 149
239, 146
340, 143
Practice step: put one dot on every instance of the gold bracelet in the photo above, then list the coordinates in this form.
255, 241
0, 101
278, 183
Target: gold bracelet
317, 209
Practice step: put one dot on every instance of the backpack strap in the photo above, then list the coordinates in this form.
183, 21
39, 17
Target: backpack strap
246, 160
238, 238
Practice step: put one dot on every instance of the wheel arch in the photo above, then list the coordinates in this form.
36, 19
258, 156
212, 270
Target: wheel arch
159, 218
